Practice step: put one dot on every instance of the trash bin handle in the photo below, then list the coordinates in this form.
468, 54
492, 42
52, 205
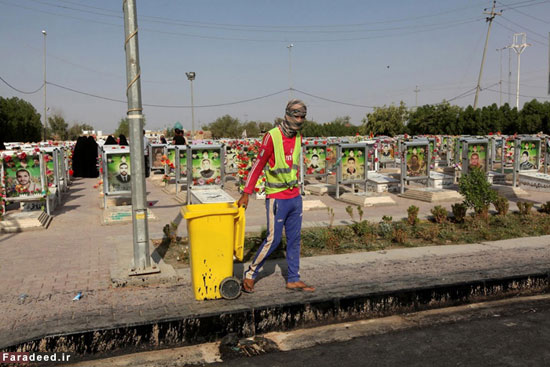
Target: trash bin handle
198, 214
239, 234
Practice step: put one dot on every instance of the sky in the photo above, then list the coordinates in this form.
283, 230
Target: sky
346, 57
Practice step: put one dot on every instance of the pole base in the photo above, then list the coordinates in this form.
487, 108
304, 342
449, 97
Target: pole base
154, 269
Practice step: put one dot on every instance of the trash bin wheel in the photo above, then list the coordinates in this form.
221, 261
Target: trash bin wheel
230, 288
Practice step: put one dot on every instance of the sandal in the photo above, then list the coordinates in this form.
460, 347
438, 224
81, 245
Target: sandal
248, 285
299, 286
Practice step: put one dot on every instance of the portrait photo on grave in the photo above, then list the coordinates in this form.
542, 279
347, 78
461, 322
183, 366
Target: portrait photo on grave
315, 160
157, 153
509, 152
477, 153
22, 176
416, 161
170, 168
497, 146
528, 158
206, 167
230, 160
183, 163
444, 148
387, 152
118, 172
352, 164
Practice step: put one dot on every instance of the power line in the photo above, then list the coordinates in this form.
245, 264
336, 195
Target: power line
332, 100
528, 15
521, 95
521, 26
20, 91
168, 106
515, 31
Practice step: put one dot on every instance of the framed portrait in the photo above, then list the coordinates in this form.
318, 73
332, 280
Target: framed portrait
387, 151
416, 157
181, 163
170, 169
477, 156
206, 166
231, 159
529, 155
509, 151
118, 172
22, 175
497, 146
157, 151
315, 160
352, 163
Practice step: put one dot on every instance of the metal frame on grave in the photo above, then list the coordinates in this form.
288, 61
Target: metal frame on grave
313, 145
53, 152
339, 180
381, 141
202, 147
546, 153
114, 150
43, 182
465, 143
518, 144
167, 149
403, 153
493, 150
152, 158
179, 180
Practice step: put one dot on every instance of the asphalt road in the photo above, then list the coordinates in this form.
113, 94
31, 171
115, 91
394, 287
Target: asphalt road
515, 334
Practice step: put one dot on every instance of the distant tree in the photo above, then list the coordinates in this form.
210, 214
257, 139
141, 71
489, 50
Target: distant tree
19, 121
251, 128
224, 127
386, 120
58, 129
441, 118
76, 130
265, 126
124, 127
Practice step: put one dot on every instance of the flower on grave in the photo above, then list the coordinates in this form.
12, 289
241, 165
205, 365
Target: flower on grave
201, 182
22, 155
7, 158
375, 160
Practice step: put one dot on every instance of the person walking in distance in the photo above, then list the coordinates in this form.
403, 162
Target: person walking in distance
280, 149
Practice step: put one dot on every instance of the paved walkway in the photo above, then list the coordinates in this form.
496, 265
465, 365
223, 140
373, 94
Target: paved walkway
43, 270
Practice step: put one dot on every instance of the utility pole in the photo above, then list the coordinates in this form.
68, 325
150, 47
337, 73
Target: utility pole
500, 75
142, 259
549, 63
45, 109
191, 76
489, 19
509, 47
519, 48
290, 68
416, 90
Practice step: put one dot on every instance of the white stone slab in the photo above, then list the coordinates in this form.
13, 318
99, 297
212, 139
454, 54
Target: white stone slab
432, 194
308, 205
381, 183
320, 189
510, 191
24, 221
535, 181
209, 196
440, 180
367, 199
496, 178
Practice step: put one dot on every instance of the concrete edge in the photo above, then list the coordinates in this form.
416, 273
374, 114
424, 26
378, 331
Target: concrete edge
248, 322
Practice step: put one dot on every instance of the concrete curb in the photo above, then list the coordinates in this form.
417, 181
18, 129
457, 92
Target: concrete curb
361, 303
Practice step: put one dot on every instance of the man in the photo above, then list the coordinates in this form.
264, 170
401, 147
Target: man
146, 154
179, 139
474, 160
280, 149
351, 170
206, 171
24, 182
123, 175
525, 164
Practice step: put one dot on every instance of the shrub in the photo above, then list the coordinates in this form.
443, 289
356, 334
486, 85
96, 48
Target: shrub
459, 212
349, 210
545, 208
385, 229
360, 212
439, 213
476, 190
524, 207
387, 218
362, 228
501, 205
400, 235
412, 217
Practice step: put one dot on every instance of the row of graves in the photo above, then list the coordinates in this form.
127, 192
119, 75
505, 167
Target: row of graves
34, 177
356, 170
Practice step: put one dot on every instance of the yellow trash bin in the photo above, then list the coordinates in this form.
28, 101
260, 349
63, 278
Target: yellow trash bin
216, 233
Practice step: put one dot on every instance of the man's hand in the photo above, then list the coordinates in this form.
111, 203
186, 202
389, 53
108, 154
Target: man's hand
243, 201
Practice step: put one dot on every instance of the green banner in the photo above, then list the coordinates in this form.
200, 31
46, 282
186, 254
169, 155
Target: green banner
22, 175
352, 164
206, 167
315, 160
528, 156
118, 172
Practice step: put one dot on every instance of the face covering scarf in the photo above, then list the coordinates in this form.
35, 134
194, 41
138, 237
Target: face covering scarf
290, 125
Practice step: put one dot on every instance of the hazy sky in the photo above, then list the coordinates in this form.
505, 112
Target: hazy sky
367, 53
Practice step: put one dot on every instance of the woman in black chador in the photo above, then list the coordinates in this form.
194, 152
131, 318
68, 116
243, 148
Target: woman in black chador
79, 157
91, 169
